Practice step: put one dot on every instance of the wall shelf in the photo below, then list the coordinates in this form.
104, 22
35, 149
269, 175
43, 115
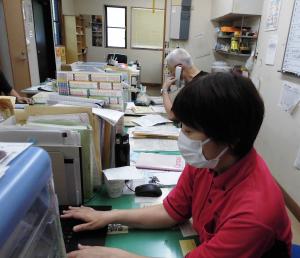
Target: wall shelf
231, 53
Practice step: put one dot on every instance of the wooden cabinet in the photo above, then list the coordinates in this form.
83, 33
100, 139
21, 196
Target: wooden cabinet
227, 8
75, 39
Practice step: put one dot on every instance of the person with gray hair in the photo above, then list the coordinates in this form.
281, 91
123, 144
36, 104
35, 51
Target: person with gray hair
179, 57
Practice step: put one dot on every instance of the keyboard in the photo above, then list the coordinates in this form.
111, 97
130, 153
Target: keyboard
90, 237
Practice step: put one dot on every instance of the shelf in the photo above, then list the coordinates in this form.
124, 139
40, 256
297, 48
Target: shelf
231, 53
80, 34
239, 37
233, 17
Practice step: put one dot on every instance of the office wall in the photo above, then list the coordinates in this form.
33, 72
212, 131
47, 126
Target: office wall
68, 7
4, 49
201, 35
151, 60
279, 138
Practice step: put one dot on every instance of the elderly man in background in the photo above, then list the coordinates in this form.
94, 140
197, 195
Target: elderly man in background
179, 57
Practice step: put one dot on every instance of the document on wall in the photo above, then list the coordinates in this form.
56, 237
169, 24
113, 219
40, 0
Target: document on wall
271, 50
273, 15
289, 97
151, 120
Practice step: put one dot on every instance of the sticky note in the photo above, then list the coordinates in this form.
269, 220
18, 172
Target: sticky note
187, 246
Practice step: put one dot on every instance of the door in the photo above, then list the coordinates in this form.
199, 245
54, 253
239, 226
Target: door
44, 38
16, 44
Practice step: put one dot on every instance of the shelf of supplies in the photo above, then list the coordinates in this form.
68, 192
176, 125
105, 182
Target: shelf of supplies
77, 34
231, 53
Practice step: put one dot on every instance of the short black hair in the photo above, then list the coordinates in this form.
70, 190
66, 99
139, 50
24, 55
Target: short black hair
225, 106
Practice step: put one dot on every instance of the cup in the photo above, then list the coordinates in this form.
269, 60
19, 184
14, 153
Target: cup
114, 187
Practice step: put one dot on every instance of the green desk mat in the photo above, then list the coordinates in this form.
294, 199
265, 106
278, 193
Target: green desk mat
152, 243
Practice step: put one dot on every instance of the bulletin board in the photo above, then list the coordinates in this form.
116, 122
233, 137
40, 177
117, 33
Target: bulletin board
147, 28
291, 60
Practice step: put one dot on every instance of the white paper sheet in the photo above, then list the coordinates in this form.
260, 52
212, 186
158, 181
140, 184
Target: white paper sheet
289, 97
165, 178
187, 229
153, 144
273, 15
111, 116
151, 120
123, 173
12, 151
159, 109
3, 170
271, 50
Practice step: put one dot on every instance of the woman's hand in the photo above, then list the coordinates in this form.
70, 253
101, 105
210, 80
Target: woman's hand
100, 252
24, 100
94, 219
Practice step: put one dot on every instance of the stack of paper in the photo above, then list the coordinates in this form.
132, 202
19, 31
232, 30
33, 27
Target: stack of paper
163, 131
151, 120
160, 162
140, 144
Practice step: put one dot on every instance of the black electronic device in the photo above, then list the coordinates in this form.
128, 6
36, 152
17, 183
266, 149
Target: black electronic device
89, 237
148, 190
122, 150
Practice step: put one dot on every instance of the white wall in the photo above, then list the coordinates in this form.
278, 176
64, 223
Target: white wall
279, 138
4, 50
201, 35
151, 60
68, 7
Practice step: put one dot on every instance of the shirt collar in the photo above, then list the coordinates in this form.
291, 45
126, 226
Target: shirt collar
237, 172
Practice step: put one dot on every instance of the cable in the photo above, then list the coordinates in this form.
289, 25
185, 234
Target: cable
126, 181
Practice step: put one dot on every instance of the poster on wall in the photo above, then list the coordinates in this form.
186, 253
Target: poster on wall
97, 38
273, 15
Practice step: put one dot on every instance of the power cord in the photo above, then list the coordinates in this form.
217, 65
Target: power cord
126, 183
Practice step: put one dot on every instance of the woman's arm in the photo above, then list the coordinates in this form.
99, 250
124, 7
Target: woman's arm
152, 217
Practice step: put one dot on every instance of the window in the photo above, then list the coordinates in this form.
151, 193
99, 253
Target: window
147, 28
115, 26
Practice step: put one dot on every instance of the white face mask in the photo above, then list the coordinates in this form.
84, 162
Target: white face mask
191, 151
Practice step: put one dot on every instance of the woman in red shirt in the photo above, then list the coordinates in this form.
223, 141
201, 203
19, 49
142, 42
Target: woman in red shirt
226, 187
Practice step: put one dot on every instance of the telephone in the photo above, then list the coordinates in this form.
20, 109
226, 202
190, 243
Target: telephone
178, 71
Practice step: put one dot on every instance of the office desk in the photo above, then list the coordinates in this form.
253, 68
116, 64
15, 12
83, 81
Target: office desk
152, 243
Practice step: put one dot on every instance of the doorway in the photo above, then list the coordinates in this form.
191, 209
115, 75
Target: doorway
44, 38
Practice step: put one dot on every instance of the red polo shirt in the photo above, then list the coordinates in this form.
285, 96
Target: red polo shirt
240, 213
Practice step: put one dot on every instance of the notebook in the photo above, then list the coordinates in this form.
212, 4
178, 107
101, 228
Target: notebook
90, 237
160, 162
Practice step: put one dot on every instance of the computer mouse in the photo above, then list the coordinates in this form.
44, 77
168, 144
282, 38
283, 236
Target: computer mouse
148, 190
